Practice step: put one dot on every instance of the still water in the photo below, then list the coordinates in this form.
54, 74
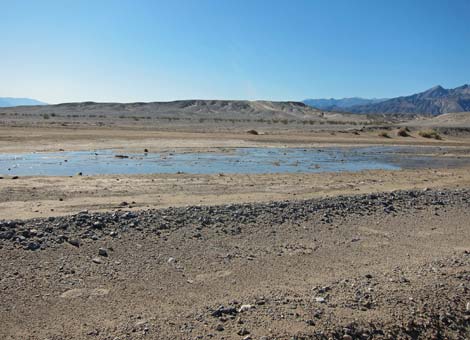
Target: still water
238, 160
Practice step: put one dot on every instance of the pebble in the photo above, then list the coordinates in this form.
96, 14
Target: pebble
103, 252
74, 242
245, 308
96, 260
101, 225
243, 331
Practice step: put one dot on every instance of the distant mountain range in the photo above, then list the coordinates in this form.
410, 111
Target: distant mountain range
9, 102
435, 101
333, 104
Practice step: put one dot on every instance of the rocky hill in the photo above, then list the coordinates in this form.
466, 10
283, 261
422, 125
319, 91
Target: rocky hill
183, 108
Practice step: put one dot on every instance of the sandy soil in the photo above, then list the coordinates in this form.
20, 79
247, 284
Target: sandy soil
28, 197
36, 139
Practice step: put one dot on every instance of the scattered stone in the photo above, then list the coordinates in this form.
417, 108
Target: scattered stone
97, 260
103, 252
33, 246
320, 299
224, 311
243, 331
245, 308
74, 242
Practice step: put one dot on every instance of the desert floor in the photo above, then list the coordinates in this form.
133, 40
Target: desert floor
367, 255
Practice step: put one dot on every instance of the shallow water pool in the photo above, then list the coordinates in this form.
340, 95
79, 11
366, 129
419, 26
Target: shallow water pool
239, 160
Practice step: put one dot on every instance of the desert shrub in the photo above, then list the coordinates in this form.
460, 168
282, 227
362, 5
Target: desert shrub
252, 132
430, 134
384, 134
403, 132
45, 116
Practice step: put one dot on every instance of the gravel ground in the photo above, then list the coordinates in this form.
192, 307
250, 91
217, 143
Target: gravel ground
377, 266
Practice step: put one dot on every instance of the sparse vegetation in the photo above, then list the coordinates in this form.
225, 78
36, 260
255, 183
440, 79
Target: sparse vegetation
384, 134
403, 132
45, 116
430, 134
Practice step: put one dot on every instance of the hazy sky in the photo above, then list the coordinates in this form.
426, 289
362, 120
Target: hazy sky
137, 50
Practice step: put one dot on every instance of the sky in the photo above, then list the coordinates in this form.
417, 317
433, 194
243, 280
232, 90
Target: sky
149, 50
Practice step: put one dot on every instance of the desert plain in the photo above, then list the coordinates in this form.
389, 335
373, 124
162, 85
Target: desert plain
370, 254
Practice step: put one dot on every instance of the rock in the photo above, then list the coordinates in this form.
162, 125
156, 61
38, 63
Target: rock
74, 242
96, 260
320, 299
219, 328
97, 225
33, 246
224, 311
103, 252
7, 235
245, 308
243, 331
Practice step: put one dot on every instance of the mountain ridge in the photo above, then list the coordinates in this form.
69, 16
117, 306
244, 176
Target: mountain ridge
434, 101
12, 101
333, 103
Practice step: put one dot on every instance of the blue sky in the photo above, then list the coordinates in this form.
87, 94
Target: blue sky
60, 51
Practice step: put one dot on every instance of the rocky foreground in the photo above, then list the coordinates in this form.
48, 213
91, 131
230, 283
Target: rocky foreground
378, 266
